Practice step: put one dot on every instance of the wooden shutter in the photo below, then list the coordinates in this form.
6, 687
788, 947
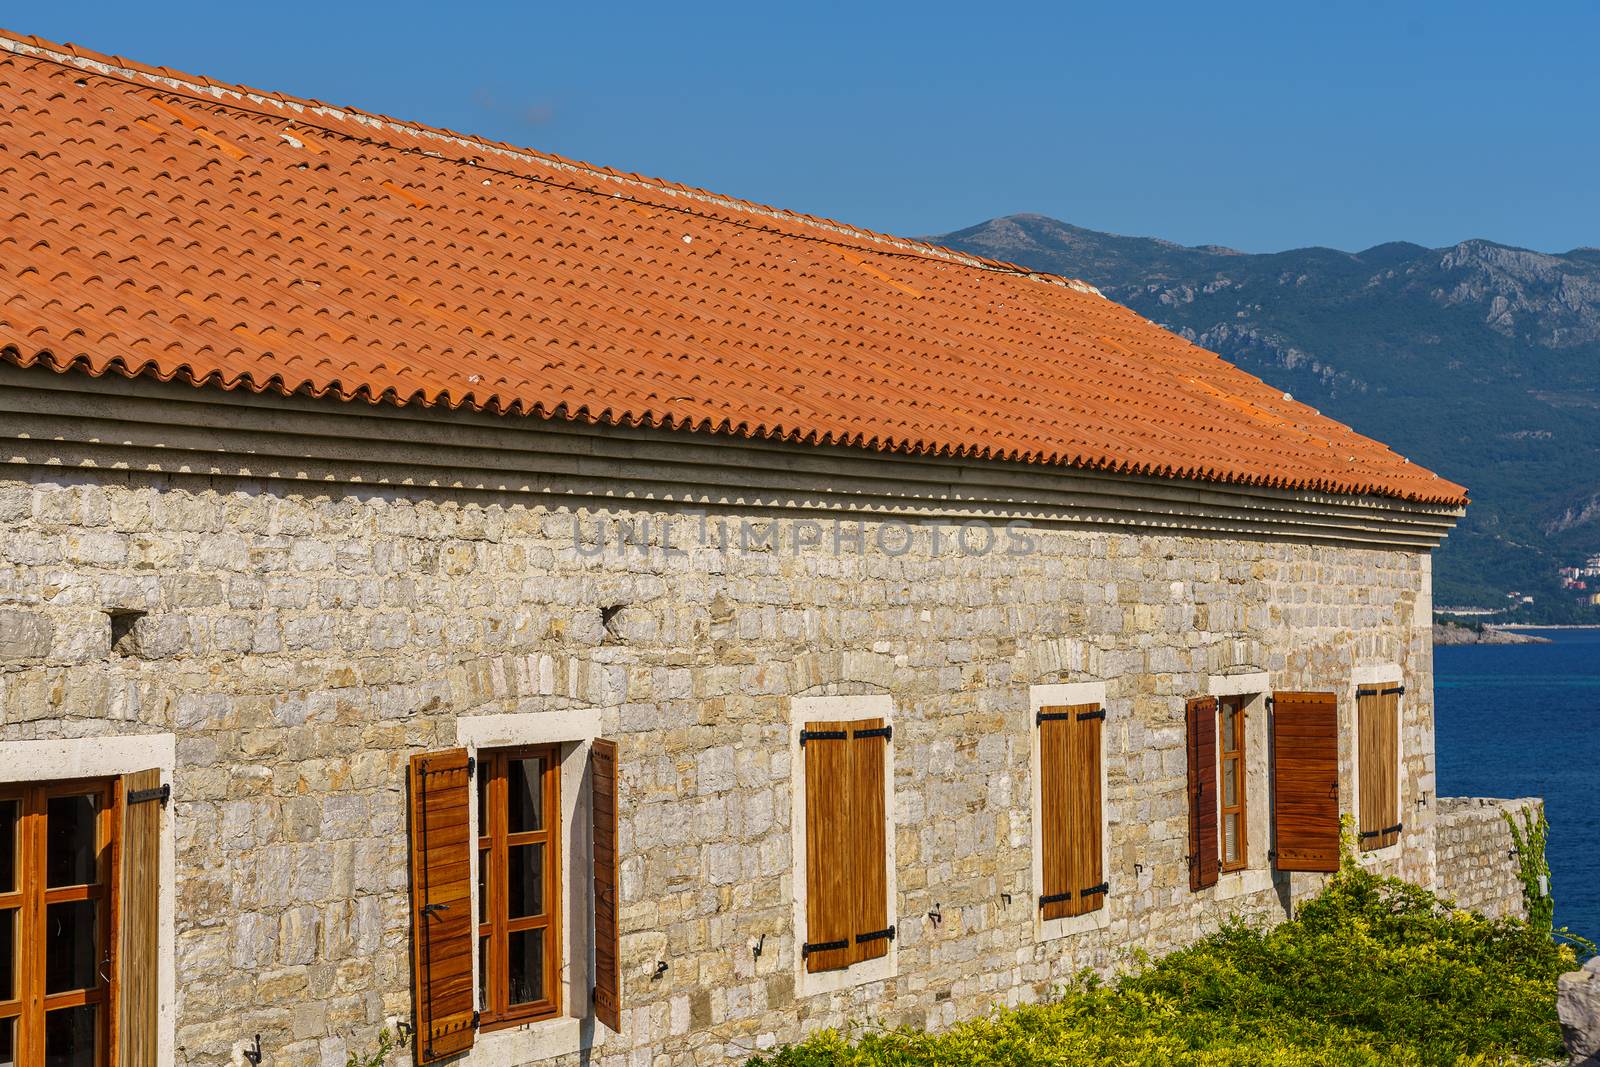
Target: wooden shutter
1201, 715
826, 750
443, 938
1378, 756
870, 932
139, 918
1070, 816
1305, 781
607, 968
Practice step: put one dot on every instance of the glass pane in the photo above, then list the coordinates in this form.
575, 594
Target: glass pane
10, 812
69, 1037
1230, 834
1230, 787
71, 847
8, 1042
1228, 716
483, 887
69, 946
483, 801
525, 794
525, 880
527, 966
483, 975
8, 959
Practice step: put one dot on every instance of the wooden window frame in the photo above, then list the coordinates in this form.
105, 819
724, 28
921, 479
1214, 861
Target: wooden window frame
30, 902
1236, 705
494, 924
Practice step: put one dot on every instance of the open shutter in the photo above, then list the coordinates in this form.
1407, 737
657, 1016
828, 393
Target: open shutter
1378, 734
1070, 803
1202, 750
607, 968
830, 906
870, 931
138, 949
1305, 781
442, 933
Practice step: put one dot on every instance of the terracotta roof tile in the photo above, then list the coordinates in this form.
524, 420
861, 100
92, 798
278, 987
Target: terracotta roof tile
162, 224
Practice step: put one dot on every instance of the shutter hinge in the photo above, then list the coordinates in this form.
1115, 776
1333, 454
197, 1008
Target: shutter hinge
472, 766
1368, 835
1396, 690
885, 732
162, 793
1049, 716
1103, 887
474, 1020
1097, 713
1396, 828
822, 735
876, 935
822, 946
1053, 898
1270, 702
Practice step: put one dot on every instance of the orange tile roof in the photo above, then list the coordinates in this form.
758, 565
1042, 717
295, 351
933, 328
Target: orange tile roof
162, 224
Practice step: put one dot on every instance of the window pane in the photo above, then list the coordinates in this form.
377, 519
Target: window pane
71, 847
1228, 716
8, 1042
527, 966
525, 794
482, 776
483, 976
483, 888
1230, 834
69, 1037
69, 946
10, 812
1230, 787
525, 880
8, 959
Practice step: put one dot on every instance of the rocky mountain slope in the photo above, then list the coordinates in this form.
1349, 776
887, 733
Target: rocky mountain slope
1479, 360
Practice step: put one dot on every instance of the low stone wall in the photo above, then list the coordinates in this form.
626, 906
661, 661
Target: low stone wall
1477, 867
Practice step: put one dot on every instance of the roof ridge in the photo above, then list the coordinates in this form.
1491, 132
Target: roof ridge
207, 90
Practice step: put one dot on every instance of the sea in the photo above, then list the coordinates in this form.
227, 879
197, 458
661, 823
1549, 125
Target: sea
1524, 720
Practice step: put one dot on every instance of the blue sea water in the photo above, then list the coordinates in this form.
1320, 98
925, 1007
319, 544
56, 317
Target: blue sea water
1524, 720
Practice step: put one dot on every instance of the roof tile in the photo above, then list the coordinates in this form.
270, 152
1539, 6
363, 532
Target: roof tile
164, 224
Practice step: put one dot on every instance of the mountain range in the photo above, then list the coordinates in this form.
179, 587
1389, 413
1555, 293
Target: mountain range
1480, 361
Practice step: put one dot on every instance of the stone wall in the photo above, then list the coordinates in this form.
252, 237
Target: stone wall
302, 644
1477, 867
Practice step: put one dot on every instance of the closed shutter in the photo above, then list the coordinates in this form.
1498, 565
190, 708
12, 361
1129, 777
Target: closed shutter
1305, 781
138, 950
607, 968
826, 751
868, 845
1201, 715
442, 933
1378, 753
1070, 816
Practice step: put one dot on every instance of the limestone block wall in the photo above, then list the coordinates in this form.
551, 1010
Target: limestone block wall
301, 642
1477, 867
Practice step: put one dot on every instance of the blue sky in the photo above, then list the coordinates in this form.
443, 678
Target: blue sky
1260, 126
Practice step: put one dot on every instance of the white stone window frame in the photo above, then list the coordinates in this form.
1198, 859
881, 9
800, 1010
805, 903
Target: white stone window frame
1041, 696
1256, 876
839, 709
575, 1029
111, 757
1372, 675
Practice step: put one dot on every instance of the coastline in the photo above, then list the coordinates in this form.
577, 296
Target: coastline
1449, 633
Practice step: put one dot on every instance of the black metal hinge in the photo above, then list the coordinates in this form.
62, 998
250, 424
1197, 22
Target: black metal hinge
876, 935
886, 732
1103, 887
1394, 690
1049, 716
1097, 713
822, 946
1054, 898
1270, 702
822, 735
162, 793
472, 765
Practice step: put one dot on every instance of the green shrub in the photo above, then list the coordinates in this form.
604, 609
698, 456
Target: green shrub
1374, 971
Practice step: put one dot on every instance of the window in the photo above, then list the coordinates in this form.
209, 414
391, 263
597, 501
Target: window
519, 950
1305, 782
1232, 799
1378, 764
57, 874
1069, 836
844, 880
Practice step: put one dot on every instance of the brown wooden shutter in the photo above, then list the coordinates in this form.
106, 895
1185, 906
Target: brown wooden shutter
1377, 752
443, 938
870, 933
827, 752
139, 916
1201, 715
607, 965
1070, 815
1305, 781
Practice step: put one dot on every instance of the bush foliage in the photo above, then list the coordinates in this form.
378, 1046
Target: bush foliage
1374, 971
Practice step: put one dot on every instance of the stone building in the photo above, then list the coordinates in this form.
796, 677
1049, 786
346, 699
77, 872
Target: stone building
571, 617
